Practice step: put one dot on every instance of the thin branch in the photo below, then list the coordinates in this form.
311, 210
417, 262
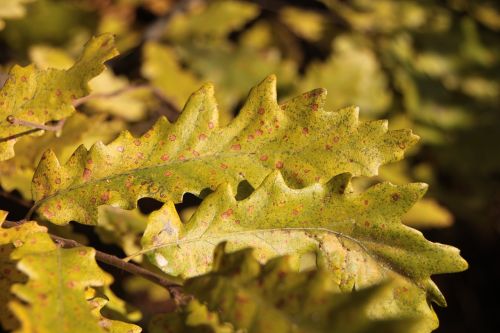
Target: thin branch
35, 127
173, 288
54, 128
80, 101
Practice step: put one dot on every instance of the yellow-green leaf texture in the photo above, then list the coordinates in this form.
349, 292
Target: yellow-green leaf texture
359, 237
300, 138
54, 297
39, 96
277, 298
17, 173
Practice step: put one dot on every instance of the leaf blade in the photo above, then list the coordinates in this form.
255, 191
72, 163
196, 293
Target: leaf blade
194, 153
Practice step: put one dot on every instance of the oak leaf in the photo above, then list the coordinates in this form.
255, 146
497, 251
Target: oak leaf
298, 137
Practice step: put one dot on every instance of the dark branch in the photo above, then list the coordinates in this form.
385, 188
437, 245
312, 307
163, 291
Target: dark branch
173, 288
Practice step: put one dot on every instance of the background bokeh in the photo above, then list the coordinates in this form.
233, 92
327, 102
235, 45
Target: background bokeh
429, 65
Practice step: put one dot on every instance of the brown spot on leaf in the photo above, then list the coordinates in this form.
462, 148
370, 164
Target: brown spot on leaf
261, 110
236, 147
172, 137
395, 197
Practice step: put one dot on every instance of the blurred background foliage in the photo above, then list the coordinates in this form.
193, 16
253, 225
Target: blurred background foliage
429, 65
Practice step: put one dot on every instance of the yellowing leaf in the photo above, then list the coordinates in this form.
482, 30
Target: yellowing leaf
39, 96
194, 318
358, 237
428, 214
57, 281
110, 93
352, 75
10, 9
215, 20
9, 272
307, 24
17, 173
276, 298
121, 227
299, 138
162, 68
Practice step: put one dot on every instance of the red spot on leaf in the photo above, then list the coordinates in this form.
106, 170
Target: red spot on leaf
86, 174
236, 147
137, 142
164, 157
314, 107
105, 197
120, 149
168, 173
57, 181
172, 137
279, 165
305, 131
227, 213
259, 132
202, 137
336, 139
210, 125
223, 166
264, 158
261, 110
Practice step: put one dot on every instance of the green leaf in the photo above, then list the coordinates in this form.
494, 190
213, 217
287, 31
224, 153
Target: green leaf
277, 298
39, 96
359, 237
299, 138
57, 280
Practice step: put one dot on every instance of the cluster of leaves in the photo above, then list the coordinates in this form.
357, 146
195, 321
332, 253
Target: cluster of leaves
291, 180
